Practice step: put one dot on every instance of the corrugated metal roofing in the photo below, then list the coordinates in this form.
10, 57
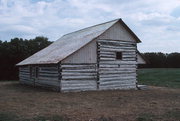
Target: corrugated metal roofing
68, 44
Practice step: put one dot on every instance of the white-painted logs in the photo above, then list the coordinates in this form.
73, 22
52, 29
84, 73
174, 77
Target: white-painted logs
108, 73
114, 73
40, 75
48, 76
78, 77
24, 75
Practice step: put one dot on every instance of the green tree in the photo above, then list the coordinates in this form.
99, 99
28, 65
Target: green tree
173, 60
15, 51
156, 60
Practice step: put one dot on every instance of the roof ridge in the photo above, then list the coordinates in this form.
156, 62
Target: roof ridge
91, 27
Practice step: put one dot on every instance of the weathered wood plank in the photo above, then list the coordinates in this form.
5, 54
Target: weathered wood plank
76, 89
78, 74
116, 50
91, 69
26, 71
77, 66
48, 71
106, 52
117, 66
118, 62
24, 76
116, 82
48, 75
117, 47
108, 55
107, 59
117, 69
50, 68
116, 41
78, 84
117, 87
116, 72
129, 59
117, 75
129, 55
79, 71
116, 44
79, 81
80, 78
47, 78
117, 78
24, 68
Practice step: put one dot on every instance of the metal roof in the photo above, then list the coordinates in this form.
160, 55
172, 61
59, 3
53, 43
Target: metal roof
69, 43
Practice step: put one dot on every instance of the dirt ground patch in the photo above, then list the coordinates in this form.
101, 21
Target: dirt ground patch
156, 103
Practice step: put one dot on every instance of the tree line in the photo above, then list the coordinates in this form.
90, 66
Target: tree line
17, 49
161, 60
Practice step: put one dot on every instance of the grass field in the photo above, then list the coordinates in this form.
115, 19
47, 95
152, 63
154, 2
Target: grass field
167, 77
24, 103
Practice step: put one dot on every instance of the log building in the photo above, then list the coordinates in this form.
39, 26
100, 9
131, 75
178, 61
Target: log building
99, 57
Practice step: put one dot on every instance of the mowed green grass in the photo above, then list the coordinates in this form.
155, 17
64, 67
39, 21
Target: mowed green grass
167, 77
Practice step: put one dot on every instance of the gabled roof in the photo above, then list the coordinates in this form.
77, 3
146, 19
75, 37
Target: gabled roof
70, 43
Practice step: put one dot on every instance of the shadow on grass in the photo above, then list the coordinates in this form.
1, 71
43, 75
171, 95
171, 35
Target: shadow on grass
18, 87
12, 117
102, 118
6, 116
172, 115
145, 117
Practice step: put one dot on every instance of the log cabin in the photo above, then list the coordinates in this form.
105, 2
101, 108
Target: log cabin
100, 57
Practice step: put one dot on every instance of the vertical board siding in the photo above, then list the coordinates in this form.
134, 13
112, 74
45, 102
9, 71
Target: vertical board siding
87, 54
78, 77
140, 60
24, 75
113, 73
116, 32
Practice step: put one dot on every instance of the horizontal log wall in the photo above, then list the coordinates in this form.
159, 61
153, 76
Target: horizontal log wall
48, 76
113, 73
78, 77
24, 75
40, 75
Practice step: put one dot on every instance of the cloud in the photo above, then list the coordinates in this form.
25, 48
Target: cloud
156, 22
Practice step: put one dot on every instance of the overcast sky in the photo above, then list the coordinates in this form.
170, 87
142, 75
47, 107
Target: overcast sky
155, 22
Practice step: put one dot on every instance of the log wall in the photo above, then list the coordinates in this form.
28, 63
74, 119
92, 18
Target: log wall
78, 77
48, 76
40, 75
113, 73
107, 73
24, 75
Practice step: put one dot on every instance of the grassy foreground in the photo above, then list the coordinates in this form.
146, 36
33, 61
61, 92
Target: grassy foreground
166, 77
25, 103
